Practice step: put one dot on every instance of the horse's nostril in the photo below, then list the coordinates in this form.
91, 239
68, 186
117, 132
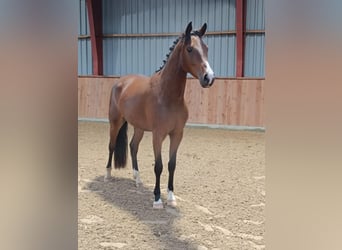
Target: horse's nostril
206, 78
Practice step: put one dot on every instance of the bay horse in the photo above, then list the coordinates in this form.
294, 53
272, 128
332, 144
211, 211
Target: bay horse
157, 104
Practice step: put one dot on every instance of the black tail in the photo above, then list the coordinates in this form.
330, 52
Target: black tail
120, 151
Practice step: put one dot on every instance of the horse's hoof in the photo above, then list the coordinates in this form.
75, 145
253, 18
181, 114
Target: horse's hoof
135, 174
171, 199
108, 178
136, 177
158, 204
172, 203
138, 182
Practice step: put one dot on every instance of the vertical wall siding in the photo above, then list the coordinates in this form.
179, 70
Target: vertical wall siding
129, 55
83, 27
139, 55
84, 57
255, 15
222, 54
84, 46
166, 16
144, 55
254, 55
255, 43
228, 102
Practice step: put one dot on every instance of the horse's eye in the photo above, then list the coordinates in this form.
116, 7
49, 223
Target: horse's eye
189, 49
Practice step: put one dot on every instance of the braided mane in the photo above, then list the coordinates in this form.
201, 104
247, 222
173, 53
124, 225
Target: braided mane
194, 33
167, 56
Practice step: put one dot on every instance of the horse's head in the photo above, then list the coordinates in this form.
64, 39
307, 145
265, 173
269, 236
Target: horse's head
195, 56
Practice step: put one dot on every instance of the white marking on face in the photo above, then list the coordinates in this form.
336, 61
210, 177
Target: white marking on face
209, 72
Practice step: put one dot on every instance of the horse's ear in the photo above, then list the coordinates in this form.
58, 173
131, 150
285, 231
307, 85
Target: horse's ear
188, 32
202, 30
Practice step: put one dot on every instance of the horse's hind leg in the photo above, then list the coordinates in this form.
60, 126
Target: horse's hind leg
134, 146
114, 129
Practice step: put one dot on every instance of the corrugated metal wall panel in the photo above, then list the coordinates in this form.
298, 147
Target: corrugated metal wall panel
169, 16
255, 55
84, 46
124, 55
138, 55
127, 55
166, 16
84, 57
255, 15
222, 54
255, 43
83, 28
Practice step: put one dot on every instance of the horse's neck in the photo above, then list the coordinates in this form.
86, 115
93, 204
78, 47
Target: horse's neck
172, 80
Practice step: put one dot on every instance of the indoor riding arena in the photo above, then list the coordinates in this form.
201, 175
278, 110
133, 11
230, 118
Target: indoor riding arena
219, 180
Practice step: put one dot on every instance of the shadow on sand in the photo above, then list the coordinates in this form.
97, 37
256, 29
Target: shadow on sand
123, 194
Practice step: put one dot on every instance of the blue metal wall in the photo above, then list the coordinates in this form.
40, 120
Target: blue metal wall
144, 55
255, 43
166, 16
84, 46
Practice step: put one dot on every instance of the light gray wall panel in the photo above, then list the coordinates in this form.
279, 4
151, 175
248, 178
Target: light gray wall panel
135, 55
255, 55
221, 54
83, 28
255, 15
166, 16
220, 14
127, 55
144, 55
255, 43
84, 47
84, 57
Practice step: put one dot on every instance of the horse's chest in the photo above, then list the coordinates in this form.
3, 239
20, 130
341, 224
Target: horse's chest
172, 114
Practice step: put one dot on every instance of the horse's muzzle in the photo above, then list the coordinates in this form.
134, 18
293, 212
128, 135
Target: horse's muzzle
207, 80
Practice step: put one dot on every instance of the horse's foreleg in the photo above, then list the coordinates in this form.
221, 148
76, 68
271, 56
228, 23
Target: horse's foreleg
134, 146
158, 169
175, 139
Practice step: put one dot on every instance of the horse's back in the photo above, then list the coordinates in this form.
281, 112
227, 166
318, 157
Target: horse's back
133, 79
128, 81
131, 83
